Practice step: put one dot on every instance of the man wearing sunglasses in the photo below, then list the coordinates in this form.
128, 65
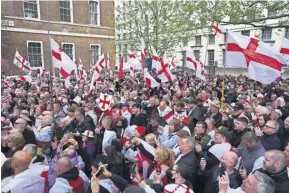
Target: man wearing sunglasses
270, 140
29, 136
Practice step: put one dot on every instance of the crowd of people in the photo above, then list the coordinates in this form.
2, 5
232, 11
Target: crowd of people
184, 136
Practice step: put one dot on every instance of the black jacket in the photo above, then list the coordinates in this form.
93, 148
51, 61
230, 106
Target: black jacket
281, 180
86, 124
11, 152
235, 137
217, 118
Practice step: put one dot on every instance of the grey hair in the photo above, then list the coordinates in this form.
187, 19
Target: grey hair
265, 185
31, 149
250, 136
109, 120
191, 142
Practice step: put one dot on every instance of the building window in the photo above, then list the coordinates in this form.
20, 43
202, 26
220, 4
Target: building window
272, 13
266, 34
225, 37
211, 57
93, 12
198, 40
94, 54
224, 57
68, 49
245, 33
35, 54
287, 33
66, 11
31, 9
211, 39
197, 54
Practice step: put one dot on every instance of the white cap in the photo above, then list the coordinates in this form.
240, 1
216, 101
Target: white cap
177, 188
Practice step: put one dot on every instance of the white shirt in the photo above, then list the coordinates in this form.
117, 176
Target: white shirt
25, 182
107, 138
43, 134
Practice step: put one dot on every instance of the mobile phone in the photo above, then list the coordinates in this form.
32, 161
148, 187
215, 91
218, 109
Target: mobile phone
99, 172
66, 146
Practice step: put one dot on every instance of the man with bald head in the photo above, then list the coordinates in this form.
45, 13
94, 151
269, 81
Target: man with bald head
25, 180
69, 179
211, 177
29, 136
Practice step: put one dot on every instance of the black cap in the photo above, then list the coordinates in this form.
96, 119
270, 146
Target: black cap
238, 106
223, 131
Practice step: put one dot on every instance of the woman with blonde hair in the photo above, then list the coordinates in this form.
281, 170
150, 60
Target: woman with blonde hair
164, 159
151, 139
15, 142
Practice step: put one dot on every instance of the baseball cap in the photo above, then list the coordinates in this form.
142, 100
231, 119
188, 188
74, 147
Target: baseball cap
223, 131
238, 106
278, 111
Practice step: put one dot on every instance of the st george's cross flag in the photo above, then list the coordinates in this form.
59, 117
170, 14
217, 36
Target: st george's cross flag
61, 60
284, 49
263, 62
22, 63
149, 80
156, 61
164, 74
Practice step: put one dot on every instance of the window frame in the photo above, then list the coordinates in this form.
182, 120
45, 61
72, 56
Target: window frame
263, 33
209, 57
286, 35
198, 36
98, 13
246, 31
38, 11
71, 12
42, 55
73, 49
99, 52
209, 39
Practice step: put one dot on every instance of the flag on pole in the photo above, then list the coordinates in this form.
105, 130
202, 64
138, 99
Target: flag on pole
191, 61
149, 80
156, 61
200, 72
120, 69
61, 60
81, 70
285, 49
95, 77
133, 60
263, 62
218, 29
22, 63
164, 73
131, 71
108, 61
100, 64
143, 53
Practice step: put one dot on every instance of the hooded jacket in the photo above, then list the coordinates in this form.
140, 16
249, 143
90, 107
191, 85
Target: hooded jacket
72, 180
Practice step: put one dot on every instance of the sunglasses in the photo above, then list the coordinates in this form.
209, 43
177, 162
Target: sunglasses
269, 127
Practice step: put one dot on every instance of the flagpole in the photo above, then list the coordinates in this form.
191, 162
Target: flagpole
51, 68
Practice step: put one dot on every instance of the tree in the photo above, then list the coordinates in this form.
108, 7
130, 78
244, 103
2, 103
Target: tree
164, 24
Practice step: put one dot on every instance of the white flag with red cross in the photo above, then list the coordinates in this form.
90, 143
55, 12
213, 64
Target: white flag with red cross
191, 61
217, 29
81, 70
156, 61
104, 101
100, 64
263, 62
131, 71
95, 78
25, 78
7, 83
61, 60
200, 73
22, 63
149, 80
164, 74
285, 49
143, 53
169, 116
107, 61
133, 60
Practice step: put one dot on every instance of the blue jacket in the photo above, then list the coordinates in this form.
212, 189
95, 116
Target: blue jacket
168, 140
270, 142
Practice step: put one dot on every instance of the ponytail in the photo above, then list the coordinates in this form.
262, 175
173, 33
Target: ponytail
171, 159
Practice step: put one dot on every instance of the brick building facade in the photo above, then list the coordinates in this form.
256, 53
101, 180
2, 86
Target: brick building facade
84, 29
